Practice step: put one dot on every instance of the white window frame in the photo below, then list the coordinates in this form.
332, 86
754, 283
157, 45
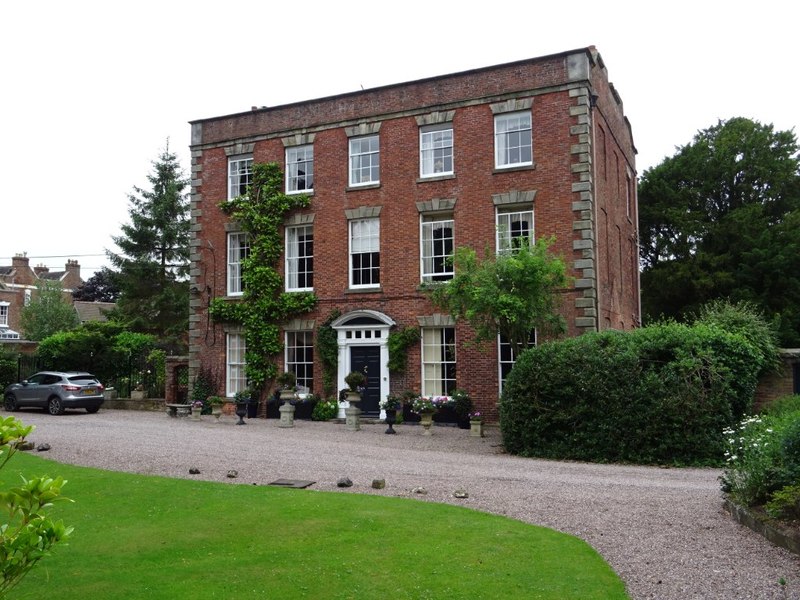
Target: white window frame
436, 150
438, 361
512, 137
364, 237
235, 364
238, 249
297, 256
506, 358
240, 175
435, 263
299, 357
364, 163
4, 313
300, 169
505, 233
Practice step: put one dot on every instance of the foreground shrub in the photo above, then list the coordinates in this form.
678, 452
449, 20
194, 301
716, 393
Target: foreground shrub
27, 533
660, 394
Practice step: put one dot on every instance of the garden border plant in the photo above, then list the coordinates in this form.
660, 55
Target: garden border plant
264, 305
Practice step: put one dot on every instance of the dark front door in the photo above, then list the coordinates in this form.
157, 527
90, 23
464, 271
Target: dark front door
367, 359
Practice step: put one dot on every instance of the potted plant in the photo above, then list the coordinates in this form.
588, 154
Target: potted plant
355, 381
288, 393
305, 406
197, 409
408, 398
391, 404
287, 382
216, 403
462, 406
475, 424
425, 407
242, 400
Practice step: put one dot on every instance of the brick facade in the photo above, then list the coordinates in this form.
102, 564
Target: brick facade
581, 187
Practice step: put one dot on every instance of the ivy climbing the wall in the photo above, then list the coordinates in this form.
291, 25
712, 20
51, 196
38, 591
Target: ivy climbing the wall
399, 342
264, 305
328, 352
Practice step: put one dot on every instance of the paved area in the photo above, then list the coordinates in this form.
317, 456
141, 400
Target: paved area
663, 530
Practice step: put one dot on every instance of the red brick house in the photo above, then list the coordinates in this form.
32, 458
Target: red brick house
18, 284
399, 176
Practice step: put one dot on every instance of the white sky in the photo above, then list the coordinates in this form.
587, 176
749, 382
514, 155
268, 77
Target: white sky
92, 90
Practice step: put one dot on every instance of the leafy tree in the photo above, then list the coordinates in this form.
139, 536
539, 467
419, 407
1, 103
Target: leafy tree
154, 259
512, 293
105, 349
100, 287
48, 312
721, 219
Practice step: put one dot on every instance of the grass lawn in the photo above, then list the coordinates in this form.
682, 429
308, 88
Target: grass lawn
149, 537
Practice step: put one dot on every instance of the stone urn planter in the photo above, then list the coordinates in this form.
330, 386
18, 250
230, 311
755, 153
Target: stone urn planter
286, 409
476, 428
355, 380
426, 419
352, 414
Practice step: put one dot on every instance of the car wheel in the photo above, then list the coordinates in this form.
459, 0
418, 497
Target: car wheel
10, 403
92, 409
55, 406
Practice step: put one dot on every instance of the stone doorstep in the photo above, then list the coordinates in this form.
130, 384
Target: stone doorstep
761, 524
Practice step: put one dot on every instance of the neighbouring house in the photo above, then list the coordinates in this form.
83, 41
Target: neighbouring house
92, 311
18, 285
401, 175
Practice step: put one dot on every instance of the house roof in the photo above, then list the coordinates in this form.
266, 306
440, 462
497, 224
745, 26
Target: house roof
53, 275
6, 270
92, 311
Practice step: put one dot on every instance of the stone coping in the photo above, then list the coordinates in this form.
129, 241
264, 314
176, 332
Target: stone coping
763, 525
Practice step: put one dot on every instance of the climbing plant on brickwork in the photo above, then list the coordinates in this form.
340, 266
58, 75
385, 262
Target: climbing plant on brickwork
264, 305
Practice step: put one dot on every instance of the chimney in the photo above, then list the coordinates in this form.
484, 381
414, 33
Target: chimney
72, 277
19, 261
73, 267
39, 269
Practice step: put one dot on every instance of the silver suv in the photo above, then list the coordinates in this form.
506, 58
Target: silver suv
56, 391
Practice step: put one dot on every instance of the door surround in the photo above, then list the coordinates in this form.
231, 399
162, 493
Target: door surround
362, 328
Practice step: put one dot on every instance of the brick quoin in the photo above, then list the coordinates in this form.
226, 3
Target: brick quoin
583, 177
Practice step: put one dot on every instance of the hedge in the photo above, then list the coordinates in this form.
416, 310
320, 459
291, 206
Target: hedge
656, 395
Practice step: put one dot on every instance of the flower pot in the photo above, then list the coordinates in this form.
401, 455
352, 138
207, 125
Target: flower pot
426, 418
391, 418
241, 412
476, 428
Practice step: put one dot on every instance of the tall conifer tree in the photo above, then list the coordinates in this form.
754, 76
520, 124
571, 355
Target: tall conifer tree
153, 261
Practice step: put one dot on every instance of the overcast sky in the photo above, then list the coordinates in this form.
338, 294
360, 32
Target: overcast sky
92, 91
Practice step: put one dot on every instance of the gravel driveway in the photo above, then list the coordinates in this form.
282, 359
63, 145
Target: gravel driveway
663, 530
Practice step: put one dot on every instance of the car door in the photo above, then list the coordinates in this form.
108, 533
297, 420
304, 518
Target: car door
50, 386
28, 393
